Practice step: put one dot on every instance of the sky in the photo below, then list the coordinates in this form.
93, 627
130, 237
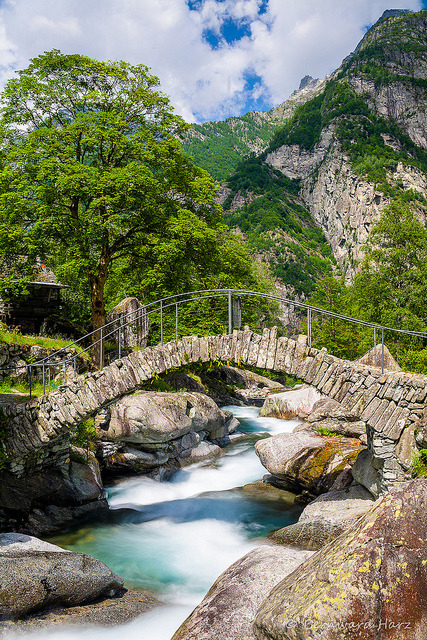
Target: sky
214, 58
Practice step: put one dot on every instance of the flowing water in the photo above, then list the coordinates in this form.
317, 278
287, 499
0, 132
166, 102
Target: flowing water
176, 537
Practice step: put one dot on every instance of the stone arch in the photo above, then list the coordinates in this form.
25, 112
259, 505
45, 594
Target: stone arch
388, 402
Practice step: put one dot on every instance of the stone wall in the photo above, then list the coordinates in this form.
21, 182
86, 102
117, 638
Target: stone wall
15, 357
390, 403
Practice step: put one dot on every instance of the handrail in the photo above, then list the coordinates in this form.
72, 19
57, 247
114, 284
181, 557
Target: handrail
116, 326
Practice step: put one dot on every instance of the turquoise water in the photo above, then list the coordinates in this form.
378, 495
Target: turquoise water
176, 537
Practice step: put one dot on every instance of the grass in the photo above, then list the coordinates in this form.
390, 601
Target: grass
324, 431
53, 344
8, 386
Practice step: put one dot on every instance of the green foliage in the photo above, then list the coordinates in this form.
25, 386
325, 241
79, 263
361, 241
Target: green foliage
389, 290
85, 436
342, 339
389, 45
324, 431
414, 359
391, 286
158, 384
9, 336
254, 176
12, 386
92, 169
419, 464
218, 147
277, 223
303, 128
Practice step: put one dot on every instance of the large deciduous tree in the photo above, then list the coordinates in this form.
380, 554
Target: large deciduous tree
93, 170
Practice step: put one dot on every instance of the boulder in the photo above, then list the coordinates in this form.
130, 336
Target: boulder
421, 430
45, 501
134, 460
102, 613
370, 583
331, 415
203, 451
302, 461
228, 609
366, 473
325, 518
134, 334
36, 575
266, 492
406, 448
373, 359
290, 404
158, 417
247, 379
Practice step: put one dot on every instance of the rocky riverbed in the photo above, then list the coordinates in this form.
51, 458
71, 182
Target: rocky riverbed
188, 508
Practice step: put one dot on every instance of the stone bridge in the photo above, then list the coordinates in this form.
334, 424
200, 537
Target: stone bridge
390, 403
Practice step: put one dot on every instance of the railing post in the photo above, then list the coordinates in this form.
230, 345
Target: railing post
44, 379
64, 368
230, 313
120, 341
48, 376
382, 350
176, 321
101, 350
161, 321
31, 376
375, 346
309, 326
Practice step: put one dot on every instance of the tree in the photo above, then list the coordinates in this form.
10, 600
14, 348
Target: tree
93, 172
339, 336
391, 287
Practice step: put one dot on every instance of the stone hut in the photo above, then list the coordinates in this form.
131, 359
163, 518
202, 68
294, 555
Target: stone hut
28, 312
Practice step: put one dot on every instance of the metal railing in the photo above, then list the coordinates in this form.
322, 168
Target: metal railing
234, 321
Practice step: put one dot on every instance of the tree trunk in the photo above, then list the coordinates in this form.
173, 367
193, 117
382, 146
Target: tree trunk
97, 284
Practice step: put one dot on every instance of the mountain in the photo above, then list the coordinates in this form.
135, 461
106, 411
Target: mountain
345, 149
219, 146
361, 143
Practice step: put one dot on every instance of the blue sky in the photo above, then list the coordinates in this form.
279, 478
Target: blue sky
214, 58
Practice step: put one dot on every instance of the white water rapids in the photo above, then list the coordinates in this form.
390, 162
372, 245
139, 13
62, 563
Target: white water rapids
176, 537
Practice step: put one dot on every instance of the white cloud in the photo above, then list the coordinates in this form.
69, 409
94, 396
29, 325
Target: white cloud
290, 39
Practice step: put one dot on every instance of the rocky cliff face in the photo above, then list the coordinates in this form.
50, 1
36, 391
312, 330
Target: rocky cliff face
372, 119
219, 147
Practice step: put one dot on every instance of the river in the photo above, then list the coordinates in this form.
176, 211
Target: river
176, 537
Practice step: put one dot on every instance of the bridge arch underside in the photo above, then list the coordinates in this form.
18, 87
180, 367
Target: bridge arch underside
390, 403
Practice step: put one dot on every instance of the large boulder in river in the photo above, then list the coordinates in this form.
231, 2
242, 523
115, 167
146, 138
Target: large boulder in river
227, 611
289, 404
45, 501
326, 518
37, 575
156, 417
302, 461
370, 583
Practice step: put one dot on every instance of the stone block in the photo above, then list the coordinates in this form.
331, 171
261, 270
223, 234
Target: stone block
195, 349
263, 349
254, 350
279, 359
376, 417
204, 349
289, 355
246, 341
272, 348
